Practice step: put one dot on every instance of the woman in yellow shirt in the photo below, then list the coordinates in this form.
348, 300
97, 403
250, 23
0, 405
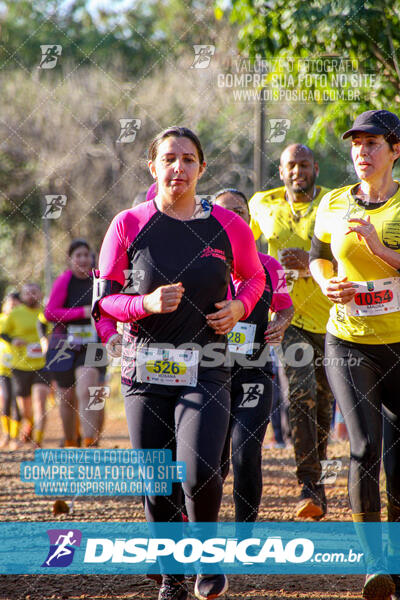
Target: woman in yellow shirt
10, 416
359, 226
30, 380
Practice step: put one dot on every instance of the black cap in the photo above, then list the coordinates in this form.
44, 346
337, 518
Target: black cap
376, 121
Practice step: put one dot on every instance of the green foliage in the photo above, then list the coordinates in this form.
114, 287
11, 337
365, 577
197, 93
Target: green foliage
135, 39
364, 31
27, 25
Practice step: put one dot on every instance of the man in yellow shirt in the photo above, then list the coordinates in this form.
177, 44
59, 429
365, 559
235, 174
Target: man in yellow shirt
31, 380
284, 218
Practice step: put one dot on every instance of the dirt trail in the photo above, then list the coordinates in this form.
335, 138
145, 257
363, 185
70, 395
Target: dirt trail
19, 503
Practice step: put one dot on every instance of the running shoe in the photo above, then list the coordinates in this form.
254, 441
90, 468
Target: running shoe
210, 586
90, 442
173, 588
309, 505
26, 432
378, 586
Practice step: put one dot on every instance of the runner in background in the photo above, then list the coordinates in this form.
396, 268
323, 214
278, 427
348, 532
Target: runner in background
359, 226
251, 391
284, 218
30, 379
10, 416
165, 270
69, 308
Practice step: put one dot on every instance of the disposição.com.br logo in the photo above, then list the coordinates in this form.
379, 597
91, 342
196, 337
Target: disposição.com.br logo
63, 543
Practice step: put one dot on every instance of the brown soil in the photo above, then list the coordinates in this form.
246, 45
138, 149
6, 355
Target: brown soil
18, 503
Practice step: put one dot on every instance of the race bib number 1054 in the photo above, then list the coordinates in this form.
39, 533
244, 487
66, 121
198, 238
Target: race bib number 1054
373, 298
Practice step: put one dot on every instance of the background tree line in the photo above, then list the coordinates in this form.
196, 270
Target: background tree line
60, 127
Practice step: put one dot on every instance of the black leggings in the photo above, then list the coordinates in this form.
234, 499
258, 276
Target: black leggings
9, 406
251, 399
193, 423
365, 380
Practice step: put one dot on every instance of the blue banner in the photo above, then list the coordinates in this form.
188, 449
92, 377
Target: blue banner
138, 548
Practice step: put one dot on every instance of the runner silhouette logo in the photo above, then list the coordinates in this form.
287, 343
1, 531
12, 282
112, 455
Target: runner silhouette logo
252, 392
134, 278
50, 55
97, 397
54, 205
330, 469
278, 129
63, 543
129, 129
203, 54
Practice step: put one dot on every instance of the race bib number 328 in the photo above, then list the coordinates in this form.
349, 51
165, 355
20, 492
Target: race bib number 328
241, 338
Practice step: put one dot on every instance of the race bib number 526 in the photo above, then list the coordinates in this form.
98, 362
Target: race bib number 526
167, 366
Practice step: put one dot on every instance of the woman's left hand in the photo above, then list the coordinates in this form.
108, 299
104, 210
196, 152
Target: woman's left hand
278, 325
366, 230
223, 321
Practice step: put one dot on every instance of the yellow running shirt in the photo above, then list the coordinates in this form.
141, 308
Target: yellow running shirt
358, 264
22, 323
5, 353
271, 215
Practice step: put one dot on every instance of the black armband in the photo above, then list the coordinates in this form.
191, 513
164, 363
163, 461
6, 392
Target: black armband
41, 329
6, 337
102, 288
320, 250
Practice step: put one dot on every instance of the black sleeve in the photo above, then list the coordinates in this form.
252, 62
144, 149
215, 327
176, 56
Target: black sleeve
320, 250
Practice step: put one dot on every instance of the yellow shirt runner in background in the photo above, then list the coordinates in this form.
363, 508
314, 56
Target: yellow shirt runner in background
22, 323
5, 353
381, 282
272, 216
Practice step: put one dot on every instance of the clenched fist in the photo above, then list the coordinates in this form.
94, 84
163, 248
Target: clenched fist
164, 299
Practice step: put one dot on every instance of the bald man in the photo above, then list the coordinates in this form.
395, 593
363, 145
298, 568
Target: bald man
283, 219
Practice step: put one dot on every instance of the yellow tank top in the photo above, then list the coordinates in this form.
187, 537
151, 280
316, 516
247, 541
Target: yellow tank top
358, 264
